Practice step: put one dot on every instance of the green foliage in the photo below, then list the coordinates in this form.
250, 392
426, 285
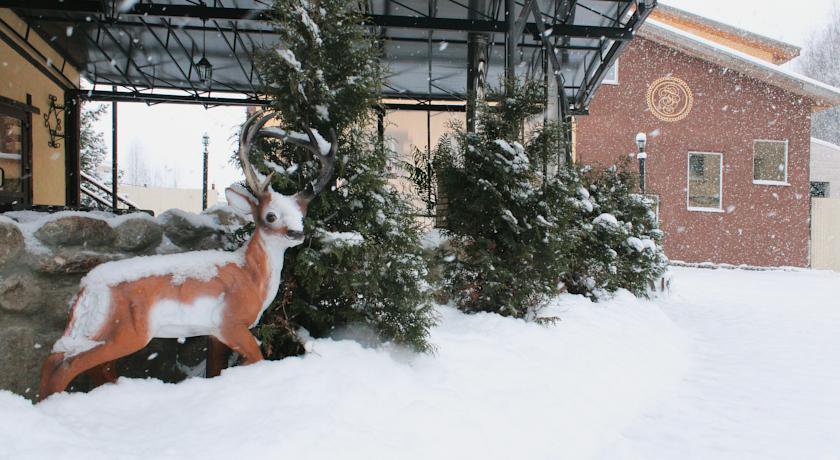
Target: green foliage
325, 70
507, 258
360, 271
608, 257
521, 228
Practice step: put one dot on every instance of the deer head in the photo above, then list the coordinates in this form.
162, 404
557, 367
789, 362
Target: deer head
278, 216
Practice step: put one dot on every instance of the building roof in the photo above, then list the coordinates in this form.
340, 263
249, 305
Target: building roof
822, 95
775, 51
148, 49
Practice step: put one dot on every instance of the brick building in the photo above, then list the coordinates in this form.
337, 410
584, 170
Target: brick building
728, 134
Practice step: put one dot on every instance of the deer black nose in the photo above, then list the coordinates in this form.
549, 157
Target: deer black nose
294, 234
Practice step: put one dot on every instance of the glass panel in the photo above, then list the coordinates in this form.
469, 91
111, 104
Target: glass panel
704, 180
769, 162
11, 148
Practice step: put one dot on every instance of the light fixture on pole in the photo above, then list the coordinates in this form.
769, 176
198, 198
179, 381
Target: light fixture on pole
205, 141
641, 142
203, 66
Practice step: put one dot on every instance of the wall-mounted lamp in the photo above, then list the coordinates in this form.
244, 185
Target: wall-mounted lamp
52, 121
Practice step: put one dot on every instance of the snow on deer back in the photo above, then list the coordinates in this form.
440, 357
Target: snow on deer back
186, 294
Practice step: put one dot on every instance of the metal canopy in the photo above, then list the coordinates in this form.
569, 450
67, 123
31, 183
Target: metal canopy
148, 49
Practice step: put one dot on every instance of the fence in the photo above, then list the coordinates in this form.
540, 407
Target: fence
825, 233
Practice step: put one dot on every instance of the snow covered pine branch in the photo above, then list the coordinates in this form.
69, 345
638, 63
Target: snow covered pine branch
122, 305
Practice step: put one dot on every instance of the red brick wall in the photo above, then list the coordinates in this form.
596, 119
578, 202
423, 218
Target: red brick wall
760, 224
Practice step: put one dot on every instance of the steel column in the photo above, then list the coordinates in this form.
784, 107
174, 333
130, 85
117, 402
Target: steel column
114, 163
72, 157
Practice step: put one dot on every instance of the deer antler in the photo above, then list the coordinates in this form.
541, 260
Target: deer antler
327, 163
249, 134
253, 129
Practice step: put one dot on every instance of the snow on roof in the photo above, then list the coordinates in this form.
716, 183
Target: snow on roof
787, 50
830, 145
822, 94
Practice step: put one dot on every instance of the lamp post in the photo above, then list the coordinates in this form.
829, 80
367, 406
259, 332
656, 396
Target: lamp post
641, 141
205, 141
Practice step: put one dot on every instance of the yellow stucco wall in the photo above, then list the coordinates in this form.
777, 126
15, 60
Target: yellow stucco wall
19, 77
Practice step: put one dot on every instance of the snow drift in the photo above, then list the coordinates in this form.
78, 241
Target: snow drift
496, 388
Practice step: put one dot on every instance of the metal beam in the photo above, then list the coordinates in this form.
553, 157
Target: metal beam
145, 9
261, 14
476, 25
122, 96
585, 94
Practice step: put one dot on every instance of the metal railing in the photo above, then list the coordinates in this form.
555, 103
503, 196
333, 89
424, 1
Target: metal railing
89, 187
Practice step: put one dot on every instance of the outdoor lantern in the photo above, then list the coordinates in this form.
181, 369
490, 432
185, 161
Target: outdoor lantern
204, 69
203, 66
641, 141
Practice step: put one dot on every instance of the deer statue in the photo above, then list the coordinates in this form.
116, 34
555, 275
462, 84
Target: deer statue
122, 305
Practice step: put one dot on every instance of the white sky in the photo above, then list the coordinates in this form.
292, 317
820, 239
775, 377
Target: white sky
169, 135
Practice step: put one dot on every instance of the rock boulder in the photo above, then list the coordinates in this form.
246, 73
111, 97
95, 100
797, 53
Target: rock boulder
76, 231
136, 235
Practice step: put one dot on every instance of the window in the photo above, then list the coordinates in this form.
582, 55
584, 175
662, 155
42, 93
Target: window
770, 162
819, 189
705, 185
611, 77
14, 156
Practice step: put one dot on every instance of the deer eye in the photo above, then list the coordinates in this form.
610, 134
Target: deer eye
270, 217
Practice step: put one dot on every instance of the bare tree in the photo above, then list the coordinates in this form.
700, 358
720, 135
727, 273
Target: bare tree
138, 171
821, 60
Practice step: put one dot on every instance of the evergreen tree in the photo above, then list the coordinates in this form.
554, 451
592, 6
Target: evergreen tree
506, 258
615, 239
522, 229
91, 142
360, 272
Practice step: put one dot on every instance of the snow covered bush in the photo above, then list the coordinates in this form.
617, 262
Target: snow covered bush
506, 256
616, 242
523, 227
360, 271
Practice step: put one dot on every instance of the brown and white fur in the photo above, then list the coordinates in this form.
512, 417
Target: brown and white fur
122, 305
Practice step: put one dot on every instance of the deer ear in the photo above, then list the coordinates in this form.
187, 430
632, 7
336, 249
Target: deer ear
241, 200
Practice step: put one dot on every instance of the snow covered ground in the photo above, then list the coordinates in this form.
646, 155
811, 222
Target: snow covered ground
733, 364
764, 381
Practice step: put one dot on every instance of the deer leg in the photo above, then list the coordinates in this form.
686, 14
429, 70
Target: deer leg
240, 340
65, 370
48, 370
103, 373
217, 354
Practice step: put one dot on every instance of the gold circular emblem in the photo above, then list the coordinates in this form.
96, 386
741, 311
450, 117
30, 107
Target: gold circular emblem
669, 98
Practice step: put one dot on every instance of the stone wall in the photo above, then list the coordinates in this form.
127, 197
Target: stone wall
44, 256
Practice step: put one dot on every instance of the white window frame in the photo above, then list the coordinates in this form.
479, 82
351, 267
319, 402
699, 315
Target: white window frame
688, 183
614, 81
783, 183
